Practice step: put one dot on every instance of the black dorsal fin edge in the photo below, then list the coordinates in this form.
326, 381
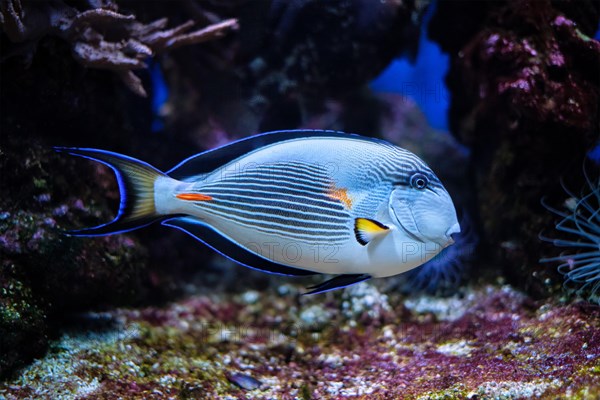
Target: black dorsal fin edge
210, 160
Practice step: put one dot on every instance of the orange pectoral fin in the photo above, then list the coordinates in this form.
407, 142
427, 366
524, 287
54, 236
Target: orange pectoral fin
193, 197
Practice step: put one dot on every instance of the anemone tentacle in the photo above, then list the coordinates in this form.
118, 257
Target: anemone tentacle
581, 265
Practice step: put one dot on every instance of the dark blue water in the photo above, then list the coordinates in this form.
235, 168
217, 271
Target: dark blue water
423, 80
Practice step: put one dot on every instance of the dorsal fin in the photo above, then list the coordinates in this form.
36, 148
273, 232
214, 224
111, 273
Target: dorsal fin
210, 160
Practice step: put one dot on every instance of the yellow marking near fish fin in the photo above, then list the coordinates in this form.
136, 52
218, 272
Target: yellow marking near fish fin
193, 197
341, 195
366, 230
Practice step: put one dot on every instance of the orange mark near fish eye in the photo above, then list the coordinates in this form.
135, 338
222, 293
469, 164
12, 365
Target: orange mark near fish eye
341, 195
193, 197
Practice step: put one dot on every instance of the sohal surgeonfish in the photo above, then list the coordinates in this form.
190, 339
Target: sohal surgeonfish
295, 203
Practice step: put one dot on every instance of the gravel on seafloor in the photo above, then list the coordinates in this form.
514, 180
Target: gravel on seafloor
488, 342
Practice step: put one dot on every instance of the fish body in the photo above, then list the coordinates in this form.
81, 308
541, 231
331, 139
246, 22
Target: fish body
296, 203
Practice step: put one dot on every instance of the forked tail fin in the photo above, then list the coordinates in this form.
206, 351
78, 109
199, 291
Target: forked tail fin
136, 187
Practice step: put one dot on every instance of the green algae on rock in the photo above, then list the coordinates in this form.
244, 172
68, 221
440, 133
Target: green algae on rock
45, 275
23, 330
524, 89
504, 345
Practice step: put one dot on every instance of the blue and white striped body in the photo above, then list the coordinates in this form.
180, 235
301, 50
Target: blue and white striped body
274, 202
294, 203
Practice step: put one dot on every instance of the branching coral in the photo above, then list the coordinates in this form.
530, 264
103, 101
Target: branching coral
101, 37
581, 264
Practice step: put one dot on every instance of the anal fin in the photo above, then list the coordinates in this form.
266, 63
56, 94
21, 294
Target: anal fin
228, 248
338, 282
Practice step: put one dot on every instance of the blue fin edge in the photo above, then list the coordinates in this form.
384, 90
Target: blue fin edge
210, 160
101, 230
226, 247
338, 282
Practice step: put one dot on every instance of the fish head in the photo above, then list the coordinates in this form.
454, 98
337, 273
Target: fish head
422, 207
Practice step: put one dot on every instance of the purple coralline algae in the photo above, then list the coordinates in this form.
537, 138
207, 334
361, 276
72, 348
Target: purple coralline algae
525, 93
501, 345
153, 314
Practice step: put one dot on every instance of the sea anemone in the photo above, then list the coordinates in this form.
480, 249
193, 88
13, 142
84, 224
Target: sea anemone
580, 264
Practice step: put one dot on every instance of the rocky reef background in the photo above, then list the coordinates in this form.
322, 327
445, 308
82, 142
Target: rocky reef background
161, 82
524, 79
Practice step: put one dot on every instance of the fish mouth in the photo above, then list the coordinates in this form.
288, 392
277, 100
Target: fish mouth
453, 230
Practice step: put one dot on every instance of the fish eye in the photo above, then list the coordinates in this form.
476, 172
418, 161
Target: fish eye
418, 181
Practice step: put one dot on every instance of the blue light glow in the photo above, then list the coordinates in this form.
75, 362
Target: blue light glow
424, 81
594, 154
160, 94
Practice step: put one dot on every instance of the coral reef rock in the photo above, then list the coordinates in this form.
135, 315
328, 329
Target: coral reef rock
100, 37
503, 345
525, 91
